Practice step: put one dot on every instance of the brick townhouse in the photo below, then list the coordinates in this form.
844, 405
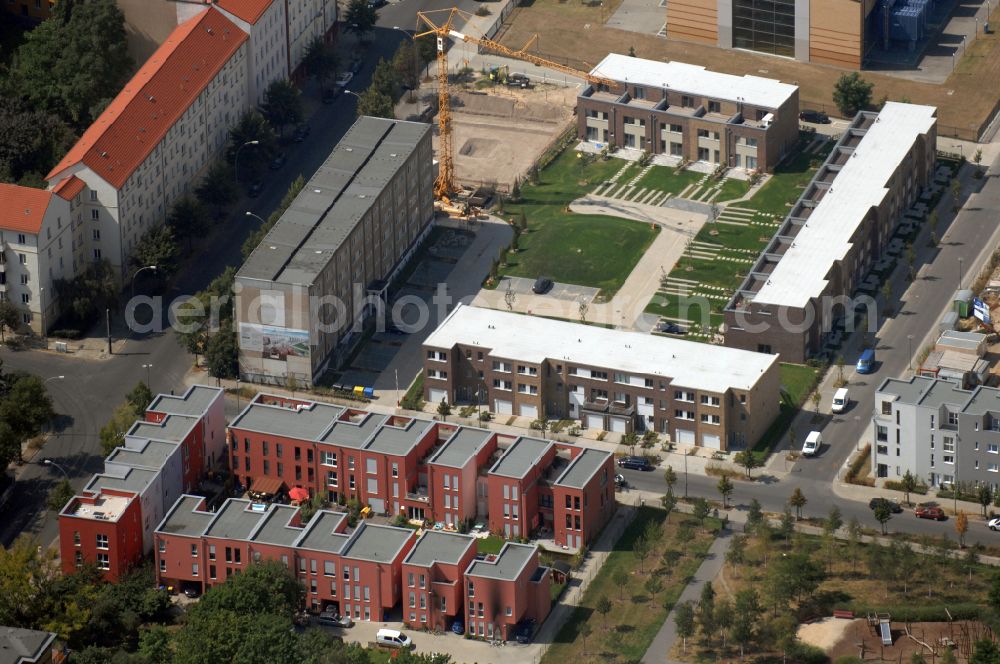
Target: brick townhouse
614, 380
505, 589
433, 571
111, 521
423, 469
690, 113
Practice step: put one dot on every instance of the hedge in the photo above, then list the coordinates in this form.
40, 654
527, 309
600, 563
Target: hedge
893, 485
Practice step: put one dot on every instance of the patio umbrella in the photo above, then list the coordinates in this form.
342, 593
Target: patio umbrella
298, 493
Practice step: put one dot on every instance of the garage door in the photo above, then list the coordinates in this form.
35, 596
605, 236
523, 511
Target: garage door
529, 411
437, 395
618, 425
595, 422
501, 407
377, 505
685, 437
711, 442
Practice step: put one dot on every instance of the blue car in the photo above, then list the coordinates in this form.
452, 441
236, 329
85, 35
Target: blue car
866, 363
458, 627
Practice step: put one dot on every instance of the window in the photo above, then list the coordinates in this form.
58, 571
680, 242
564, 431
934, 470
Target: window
194, 550
948, 444
95, 215
194, 569
881, 433
76, 541
472, 591
992, 448
102, 541
329, 568
709, 401
992, 468
211, 572
163, 563
767, 26
103, 561
96, 234
887, 408
328, 458
508, 611
714, 107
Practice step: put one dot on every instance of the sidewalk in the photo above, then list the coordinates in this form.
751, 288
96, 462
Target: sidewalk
663, 643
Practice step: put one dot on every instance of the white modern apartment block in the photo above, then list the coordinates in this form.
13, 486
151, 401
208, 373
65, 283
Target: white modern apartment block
266, 22
156, 137
36, 247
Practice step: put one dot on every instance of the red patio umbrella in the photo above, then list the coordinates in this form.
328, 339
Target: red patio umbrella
298, 493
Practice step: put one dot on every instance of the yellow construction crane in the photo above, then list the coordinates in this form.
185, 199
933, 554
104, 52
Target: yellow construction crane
442, 29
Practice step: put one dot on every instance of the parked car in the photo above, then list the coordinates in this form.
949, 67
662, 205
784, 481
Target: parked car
525, 630
458, 627
930, 512
620, 481
392, 638
279, 160
344, 78
192, 591
866, 363
840, 400
814, 441
817, 117
518, 81
332, 618
253, 191
542, 285
892, 505
994, 523
635, 463
667, 327
301, 132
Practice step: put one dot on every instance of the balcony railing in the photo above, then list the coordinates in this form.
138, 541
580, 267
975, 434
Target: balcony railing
420, 495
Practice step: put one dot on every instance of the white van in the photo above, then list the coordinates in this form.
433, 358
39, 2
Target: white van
392, 638
840, 400
814, 441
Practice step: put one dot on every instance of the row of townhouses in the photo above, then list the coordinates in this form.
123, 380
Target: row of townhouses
433, 578
150, 145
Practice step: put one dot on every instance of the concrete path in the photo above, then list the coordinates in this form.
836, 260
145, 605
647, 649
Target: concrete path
659, 649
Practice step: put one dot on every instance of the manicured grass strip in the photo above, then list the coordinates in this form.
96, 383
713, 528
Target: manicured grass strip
668, 179
797, 381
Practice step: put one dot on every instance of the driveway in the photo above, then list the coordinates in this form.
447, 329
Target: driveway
460, 648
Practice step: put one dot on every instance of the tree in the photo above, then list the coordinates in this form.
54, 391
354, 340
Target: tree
374, 103
444, 409
985, 496
641, 548
816, 400
725, 488
583, 631
748, 460
222, 352
701, 510
620, 578
908, 484
59, 495
157, 247
887, 297
684, 621
882, 514
956, 191
798, 501
840, 370
948, 656
154, 644
74, 63
736, 555
282, 105
911, 259
793, 576
746, 613
986, 651
669, 502
26, 408
140, 397
961, 527
10, 317
360, 18
112, 434
32, 141
851, 94
755, 515
217, 189
90, 293
854, 532
10, 445
993, 596
252, 126
406, 63
670, 477
706, 611
320, 61
833, 521
603, 607
787, 524
386, 79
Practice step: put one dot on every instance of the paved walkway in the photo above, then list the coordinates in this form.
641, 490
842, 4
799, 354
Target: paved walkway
659, 649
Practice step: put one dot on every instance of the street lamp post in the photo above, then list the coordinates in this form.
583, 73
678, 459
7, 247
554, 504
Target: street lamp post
147, 367
50, 462
909, 351
136, 274
685, 475
257, 217
41, 307
959, 271
352, 92
53, 378
236, 160
857, 441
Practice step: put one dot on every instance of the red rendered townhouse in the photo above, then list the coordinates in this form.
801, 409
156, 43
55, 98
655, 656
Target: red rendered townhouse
356, 573
505, 589
433, 573
514, 487
583, 498
103, 527
457, 487
208, 406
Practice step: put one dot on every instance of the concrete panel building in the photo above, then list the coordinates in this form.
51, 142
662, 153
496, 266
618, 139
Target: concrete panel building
607, 379
799, 288
938, 431
304, 293
691, 113
832, 32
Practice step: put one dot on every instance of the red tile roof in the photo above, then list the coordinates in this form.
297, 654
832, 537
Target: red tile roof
22, 208
68, 188
156, 97
248, 10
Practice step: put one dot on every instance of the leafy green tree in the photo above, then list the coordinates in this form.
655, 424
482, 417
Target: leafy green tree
59, 495
217, 190
948, 656
26, 408
746, 614
882, 514
252, 126
706, 612
993, 596
157, 247
670, 477
32, 141
10, 317
795, 574
376, 104
984, 495
852, 93
736, 555
360, 18
73, 63
834, 520
755, 515
908, 484
255, 238
282, 105
112, 434
787, 525
90, 293
986, 651
668, 502
603, 607
641, 548
684, 621
222, 352
386, 79
154, 644
701, 510
140, 397
444, 409
748, 460
798, 501
725, 488
406, 64
620, 578
320, 61
723, 618
10, 445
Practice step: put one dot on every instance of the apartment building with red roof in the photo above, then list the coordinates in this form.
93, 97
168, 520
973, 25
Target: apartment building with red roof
36, 247
148, 148
266, 23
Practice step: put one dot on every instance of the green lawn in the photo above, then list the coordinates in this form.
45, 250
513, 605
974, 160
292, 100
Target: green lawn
797, 381
733, 188
491, 544
588, 250
787, 182
636, 614
669, 179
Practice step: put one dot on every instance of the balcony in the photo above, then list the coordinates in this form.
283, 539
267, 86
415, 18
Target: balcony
420, 495
619, 408
596, 406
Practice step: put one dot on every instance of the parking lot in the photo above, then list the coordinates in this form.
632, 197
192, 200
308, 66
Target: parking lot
523, 286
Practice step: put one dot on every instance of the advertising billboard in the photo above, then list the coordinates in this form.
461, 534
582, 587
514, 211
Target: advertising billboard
981, 310
276, 343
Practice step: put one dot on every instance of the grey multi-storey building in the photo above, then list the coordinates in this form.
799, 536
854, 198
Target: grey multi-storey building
937, 431
304, 292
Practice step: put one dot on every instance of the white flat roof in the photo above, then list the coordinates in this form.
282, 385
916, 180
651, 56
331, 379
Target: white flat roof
860, 185
532, 339
695, 79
